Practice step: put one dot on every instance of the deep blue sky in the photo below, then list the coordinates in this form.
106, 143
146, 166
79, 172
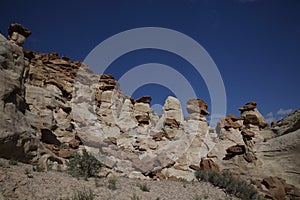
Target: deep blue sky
254, 43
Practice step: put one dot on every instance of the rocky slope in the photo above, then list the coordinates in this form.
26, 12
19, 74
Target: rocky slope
21, 182
51, 107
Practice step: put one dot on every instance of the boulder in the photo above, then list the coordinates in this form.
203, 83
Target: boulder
247, 133
74, 143
252, 116
231, 121
248, 106
288, 124
143, 119
197, 106
278, 189
18, 34
208, 164
144, 99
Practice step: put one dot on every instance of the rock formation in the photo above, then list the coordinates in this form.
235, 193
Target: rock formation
17, 137
18, 34
51, 107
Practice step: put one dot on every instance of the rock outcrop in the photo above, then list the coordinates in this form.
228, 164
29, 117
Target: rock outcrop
252, 116
51, 106
288, 124
15, 132
247, 146
17, 137
18, 34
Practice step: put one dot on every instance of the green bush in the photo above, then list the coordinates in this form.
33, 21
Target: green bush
85, 165
231, 185
83, 195
144, 187
13, 162
112, 183
135, 197
196, 197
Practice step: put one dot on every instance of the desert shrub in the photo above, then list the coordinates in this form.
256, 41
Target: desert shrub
112, 183
196, 197
38, 168
83, 195
83, 165
12, 162
144, 187
2, 164
135, 197
231, 185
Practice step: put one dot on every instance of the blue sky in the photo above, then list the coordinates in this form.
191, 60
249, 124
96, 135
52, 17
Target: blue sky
254, 43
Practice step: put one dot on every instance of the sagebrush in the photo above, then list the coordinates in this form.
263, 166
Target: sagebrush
83, 165
231, 185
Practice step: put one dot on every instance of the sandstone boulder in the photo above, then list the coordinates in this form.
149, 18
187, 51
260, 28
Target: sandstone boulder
252, 116
208, 164
248, 106
288, 124
144, 99
197, 106
278, 189
18, 34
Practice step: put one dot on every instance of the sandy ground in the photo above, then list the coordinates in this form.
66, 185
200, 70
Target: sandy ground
21, 182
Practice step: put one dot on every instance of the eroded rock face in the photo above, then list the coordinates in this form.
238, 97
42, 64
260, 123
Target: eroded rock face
144, 99
252, 116
288, 124
208, 164
276, 188
246, 144
15, 131
18, 34
17, 138
52, 106
197, 106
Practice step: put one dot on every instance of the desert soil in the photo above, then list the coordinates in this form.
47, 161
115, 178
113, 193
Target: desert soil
22, 182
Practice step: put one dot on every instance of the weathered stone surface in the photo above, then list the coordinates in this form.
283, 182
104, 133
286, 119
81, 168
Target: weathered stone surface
14, 131
112, 140
197, 106
74, 143
107, 82
208, 164
143, 119
145, 144
288, 124
278, 189
68, 106
247, 133
18, 34
144, 99
235, 150
172, 123
248, 106
158, 136
126, 118
194, 167
64, 153
141, 107
49, 137
251, 115
228, 122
